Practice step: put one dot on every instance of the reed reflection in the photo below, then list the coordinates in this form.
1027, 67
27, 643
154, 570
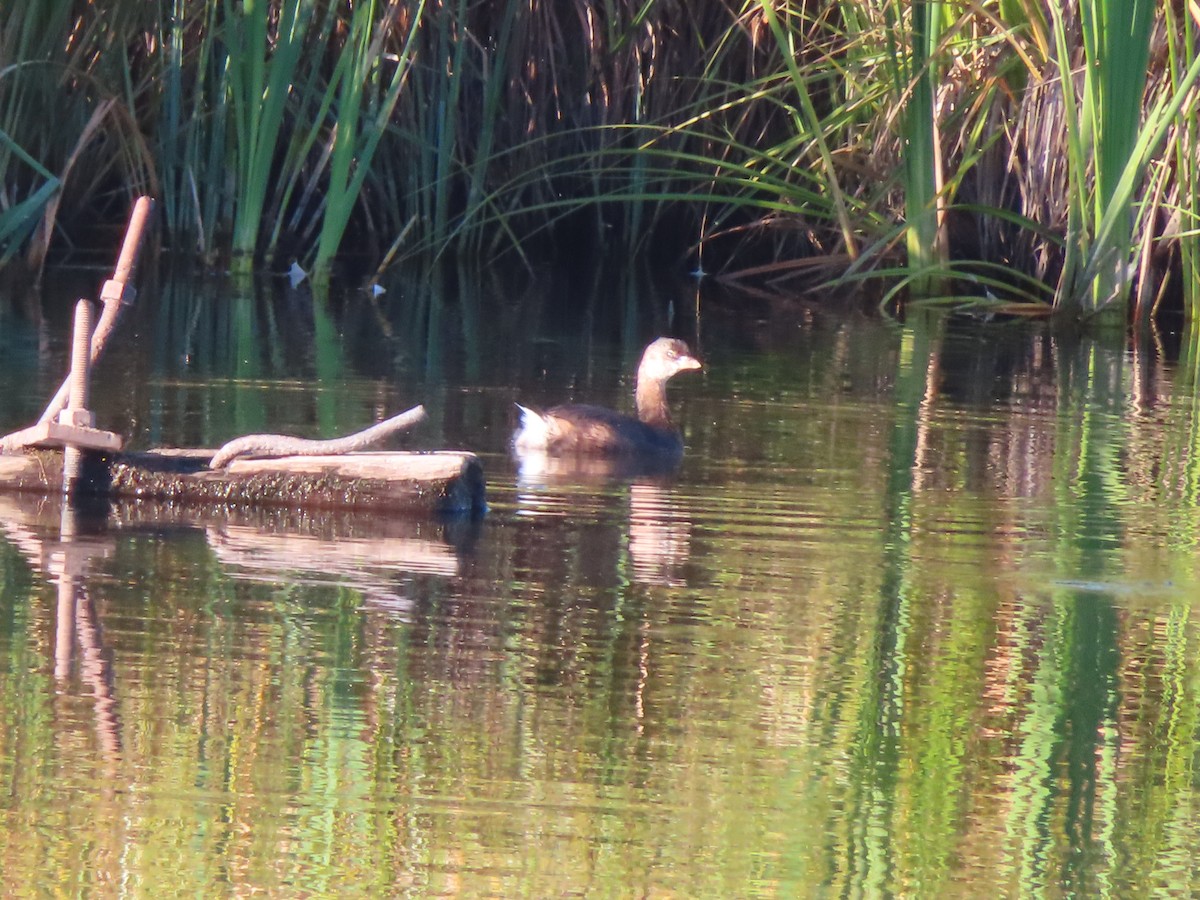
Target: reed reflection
382, 560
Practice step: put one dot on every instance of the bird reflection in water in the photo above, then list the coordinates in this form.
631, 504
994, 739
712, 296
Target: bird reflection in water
659, 534
659, 526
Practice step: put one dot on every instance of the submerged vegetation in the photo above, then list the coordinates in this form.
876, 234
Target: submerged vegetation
777, 143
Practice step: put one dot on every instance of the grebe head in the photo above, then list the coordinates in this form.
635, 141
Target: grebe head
666, 357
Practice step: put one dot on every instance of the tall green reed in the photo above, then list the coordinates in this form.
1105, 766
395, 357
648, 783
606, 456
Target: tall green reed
31, 60
194, 118
810, 122
1110, 142
784, 142
18, 221
363, 88
271, 115
68, 130
912, 38
266, 46
1181, 34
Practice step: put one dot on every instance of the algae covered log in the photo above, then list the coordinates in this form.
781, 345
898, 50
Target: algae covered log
439, 481
430, 482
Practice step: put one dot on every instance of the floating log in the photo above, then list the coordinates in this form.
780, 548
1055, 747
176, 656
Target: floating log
441, 481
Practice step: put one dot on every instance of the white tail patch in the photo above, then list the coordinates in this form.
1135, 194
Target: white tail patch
534, 433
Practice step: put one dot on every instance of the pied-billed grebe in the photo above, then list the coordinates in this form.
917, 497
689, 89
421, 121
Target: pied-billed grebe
595, 430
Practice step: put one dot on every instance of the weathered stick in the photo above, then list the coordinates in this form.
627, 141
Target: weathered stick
285, 445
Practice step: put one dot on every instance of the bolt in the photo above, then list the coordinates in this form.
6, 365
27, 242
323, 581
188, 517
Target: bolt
80, 355
77, 402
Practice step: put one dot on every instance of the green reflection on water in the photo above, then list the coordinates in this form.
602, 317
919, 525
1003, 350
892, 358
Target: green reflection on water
915, 618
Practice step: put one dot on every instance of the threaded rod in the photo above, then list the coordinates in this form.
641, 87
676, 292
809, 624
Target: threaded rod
77, 397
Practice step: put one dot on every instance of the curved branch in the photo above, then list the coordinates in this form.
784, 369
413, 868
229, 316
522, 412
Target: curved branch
285, 445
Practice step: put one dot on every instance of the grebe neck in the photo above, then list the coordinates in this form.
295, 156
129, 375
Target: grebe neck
651, 395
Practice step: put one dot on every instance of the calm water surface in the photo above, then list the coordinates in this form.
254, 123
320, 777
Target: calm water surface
916, 616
